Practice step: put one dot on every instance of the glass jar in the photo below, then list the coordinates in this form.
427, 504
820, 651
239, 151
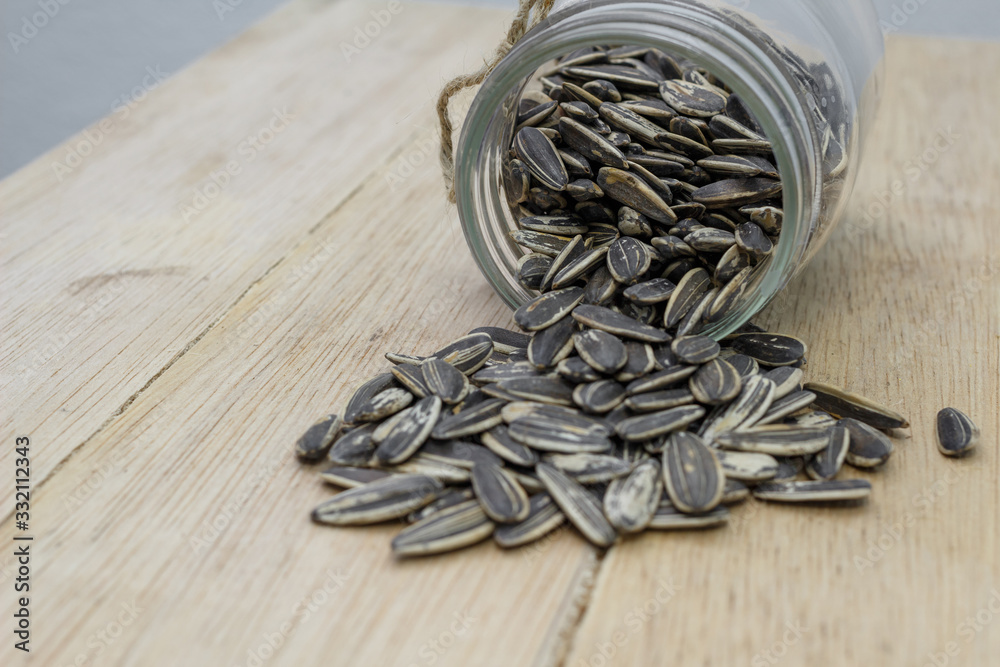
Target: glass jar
809, 71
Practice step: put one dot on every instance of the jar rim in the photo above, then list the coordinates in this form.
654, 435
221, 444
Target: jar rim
682, 28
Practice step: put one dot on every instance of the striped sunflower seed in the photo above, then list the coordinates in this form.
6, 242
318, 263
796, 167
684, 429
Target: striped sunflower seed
668, 517
540, 156
659, 400
445, 473
776, 440
532, 269
449, 499
694, 478
752, 240
604, 352
410, 432
630, 502
404, 359
715, 383
605, 319
572, 251
384, 499
316, 441
553, 344
579, 267
384, 404
661, 379
735, 492
599, 397
732, 262
498, 441
629, 121
628, 259
363, 394
539, 242
689, 290
743, 364
868, 448
552, 435
457, 453
576, 369
543, 517
587, 468
350, 477
826, 464
640, 361
554, 391
793, 402
692, 99
547, 309
957, 435
354, 448
736, 191
445, 381
841, 403
629, 189
770, 349
565, 224
498, 492
412, 377
468, 354
480, 417
695, 349
591, 145
505, 341
452, 528
579, 505
649, 426
746, 466
814, 491
786, 380
506, 371
753, 402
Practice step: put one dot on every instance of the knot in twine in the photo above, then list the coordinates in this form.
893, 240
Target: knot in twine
529, 13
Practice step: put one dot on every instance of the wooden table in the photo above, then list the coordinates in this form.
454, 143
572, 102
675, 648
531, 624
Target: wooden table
170, 328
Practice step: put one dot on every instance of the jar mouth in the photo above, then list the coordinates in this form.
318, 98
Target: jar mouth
684, 29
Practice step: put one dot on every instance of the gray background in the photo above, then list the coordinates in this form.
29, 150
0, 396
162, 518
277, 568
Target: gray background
91, 56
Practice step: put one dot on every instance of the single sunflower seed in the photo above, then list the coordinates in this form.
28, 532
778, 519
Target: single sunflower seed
956, 433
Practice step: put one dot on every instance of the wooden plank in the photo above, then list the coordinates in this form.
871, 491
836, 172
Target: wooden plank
902, 307
113, 271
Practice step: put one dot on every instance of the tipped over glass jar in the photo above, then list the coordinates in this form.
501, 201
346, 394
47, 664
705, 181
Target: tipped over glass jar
682, 160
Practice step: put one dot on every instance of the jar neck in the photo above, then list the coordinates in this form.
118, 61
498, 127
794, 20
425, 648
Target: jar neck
731, 51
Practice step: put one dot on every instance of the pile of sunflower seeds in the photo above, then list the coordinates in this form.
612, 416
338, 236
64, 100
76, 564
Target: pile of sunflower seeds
594, 418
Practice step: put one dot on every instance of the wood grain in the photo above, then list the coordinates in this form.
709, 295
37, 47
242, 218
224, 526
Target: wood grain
172, 526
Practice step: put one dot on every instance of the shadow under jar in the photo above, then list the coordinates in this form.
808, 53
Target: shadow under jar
807, 71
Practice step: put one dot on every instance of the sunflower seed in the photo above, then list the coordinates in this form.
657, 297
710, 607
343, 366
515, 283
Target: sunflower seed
957, 435
445, 381
736, 191
553, 344
630, 502
734, 492
695, 349
715, 383
316, 441
755, 397
350, 477
743, 364
605, 319
709, 239
579, 505
627, 78
579, 110
543, 517
786, 380
753, 241
505, 372
826, 464
628, 259
659, 400
730, 166
841, 403
449, 499
776, 440
604, 90
577, 370
540, 156
589, 468
769, 349
384, 499
591, 145
747, 467
787, 405
404, 359
442, 472
816, 491
668, 517
354, 448
562, 225
480, 417
629, 189
605, 353
548, 308
868, 448
629, 121
661, 379
811, 418
532, 269
599, 397
505, 341
452, 528
505, 447
412, 377
767, 218
584, 189
649, 426
363, 394
542, 389
689, 290
573, 92
579, 267
501, 497
410, 432
546, 434
539, 242
384, 404
694, 479
692, 99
